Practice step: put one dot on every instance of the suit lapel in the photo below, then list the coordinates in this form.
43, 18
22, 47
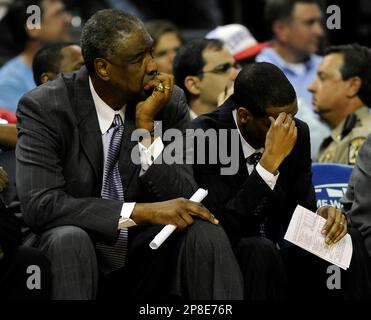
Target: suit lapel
90, 134
226, 121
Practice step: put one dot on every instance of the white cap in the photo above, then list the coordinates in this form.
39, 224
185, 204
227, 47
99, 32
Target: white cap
237, 39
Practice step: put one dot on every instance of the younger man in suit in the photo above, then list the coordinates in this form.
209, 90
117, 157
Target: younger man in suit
274, 176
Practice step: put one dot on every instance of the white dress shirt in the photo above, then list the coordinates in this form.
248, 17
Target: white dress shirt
269, 178
147, 155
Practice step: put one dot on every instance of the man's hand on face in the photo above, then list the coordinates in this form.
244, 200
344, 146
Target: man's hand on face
3, 179
336, 226
147, 110
177, 212
280, 141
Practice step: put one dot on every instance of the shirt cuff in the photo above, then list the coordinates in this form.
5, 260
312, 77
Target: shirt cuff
150, 154
269, 178
126, 211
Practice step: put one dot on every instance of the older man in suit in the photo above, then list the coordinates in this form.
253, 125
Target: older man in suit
85, 181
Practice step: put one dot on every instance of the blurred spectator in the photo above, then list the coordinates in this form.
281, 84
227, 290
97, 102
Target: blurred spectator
8, 136
297, 30
239, 41
166, 43
54, 59
342, 97
187, 14
16, 76
7, 116
204, 69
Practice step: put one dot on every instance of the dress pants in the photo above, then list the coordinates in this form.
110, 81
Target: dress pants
197, 263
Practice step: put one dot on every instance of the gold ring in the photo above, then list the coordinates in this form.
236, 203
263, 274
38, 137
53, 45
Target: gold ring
167, 87
160, 87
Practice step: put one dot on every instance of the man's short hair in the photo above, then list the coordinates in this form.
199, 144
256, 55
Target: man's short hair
157, 28
48, 59
262, 85
17, 17
357, 63
189, 60
281, 10
102, 32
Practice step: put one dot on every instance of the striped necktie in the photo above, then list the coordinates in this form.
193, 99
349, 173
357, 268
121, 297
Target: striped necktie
254, 160
111, 258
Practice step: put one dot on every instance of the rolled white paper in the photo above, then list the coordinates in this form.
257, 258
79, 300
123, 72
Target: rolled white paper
166, 231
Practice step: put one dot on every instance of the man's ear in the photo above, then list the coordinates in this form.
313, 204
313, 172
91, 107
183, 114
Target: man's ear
354, 85
244, 115
281, 30
192, 84
102, 68
47, 76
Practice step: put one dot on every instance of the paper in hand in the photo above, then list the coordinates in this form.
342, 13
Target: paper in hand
305, 231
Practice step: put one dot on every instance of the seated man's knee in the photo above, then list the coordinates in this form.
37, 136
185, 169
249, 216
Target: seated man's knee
207, 235
257, 246
66, 238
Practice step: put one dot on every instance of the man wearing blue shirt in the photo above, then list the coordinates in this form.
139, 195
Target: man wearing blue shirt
297, 30
16, 76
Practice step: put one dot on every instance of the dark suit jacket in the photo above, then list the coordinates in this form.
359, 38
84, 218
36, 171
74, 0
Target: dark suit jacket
357, 200
60, 159
243, 201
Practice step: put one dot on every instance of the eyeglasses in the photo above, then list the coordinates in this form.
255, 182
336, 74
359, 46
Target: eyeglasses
222, 68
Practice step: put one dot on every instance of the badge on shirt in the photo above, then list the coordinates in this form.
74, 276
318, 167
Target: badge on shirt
354, 147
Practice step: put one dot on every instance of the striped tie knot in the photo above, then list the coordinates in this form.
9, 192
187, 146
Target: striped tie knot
254, 158
117, 121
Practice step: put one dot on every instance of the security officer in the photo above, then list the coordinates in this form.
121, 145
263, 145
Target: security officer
341, 96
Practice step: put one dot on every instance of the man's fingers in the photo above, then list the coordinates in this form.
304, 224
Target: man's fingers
343, 231
295, 133
292, 127
334, 229
287, 122
152, 84
197, 209
180, 222
281, 118
187, 218
272, 120
329, 221
342, 235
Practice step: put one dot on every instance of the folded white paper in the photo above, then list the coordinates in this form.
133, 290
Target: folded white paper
305, 231
158, 240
